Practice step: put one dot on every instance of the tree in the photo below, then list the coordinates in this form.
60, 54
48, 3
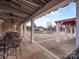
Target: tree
49, 26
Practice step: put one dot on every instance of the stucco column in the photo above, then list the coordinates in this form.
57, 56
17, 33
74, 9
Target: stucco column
77, 25
21, 30
66, 36
71, 30
0, 29
25, 30
57, 33
32, 31
74, 31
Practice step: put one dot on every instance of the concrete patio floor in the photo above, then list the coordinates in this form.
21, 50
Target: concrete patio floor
32, 51
60, 49
50, 49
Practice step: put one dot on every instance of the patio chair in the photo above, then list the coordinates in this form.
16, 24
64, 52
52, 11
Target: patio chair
14, 39
4, 47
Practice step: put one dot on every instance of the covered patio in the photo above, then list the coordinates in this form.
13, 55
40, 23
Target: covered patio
15, 14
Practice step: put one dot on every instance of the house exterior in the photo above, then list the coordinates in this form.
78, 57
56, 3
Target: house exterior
36, 28
39, 29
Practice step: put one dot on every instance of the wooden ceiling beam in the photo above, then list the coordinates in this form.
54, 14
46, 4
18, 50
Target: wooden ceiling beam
13, 8
4, 12
8, 20
42, 1
15, 15
12, 17
51, 6
38, 2
34, 4
22, 3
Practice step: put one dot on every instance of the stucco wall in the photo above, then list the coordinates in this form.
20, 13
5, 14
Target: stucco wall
77, 25
7, 26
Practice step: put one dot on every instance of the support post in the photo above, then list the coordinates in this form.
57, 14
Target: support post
71, 30
57, 33
32, 31
21, 30
0, 29
25, 30
74, 31
66, 36
77, 25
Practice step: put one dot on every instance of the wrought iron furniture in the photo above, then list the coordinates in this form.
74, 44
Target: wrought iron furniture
10, 42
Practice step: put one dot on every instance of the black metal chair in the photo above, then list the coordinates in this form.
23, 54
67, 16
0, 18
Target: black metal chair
11, 41
15, 42
4, 46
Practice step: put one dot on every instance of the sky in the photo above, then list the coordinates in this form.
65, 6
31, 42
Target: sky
60, 14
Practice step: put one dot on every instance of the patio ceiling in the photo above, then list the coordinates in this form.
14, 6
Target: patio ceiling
19, 11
